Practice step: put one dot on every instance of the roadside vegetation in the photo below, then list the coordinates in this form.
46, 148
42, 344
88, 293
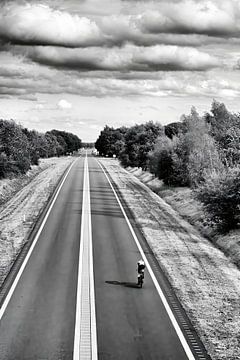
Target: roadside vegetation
198, 152
21, 148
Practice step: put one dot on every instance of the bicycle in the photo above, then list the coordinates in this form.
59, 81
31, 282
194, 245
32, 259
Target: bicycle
140, 279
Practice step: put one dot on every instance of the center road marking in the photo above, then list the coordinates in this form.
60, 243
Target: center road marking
181, 337
85, 339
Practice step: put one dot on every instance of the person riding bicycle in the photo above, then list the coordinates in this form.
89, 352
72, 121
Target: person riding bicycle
140, 267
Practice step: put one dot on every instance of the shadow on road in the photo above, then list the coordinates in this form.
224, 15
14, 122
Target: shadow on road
127, 284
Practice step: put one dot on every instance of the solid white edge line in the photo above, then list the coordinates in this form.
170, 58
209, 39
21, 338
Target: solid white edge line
15, 282
159, 290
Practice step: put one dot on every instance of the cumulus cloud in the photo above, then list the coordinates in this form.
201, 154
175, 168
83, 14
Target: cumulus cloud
60, 51
39, 24
64, 104
193, 18
183, 23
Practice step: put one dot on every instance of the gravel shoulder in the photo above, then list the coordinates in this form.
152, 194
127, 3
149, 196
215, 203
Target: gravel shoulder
21, 201
204, 278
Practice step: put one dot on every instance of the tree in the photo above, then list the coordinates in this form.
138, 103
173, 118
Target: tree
224, 128
168, 160
67, 142
20, 147
110, 141
220, 195
15, 146
139, 141
174, 129
202, 153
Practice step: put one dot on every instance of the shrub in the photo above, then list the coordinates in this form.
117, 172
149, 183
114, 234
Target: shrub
220, 195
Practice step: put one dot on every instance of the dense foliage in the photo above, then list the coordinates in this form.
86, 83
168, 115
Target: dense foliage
131, 145
111, 141
199, 151
20, 148
220, 195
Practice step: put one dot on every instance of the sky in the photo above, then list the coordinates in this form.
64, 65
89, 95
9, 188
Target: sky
78, 65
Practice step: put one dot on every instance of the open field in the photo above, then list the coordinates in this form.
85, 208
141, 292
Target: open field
205, 280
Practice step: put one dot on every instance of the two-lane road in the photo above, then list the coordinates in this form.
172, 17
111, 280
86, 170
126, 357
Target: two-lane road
39, 320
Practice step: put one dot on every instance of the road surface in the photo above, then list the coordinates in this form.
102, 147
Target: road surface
41, 320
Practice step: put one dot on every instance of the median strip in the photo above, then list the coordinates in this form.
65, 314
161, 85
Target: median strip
85, 340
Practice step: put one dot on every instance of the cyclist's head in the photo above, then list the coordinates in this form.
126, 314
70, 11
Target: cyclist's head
140, 262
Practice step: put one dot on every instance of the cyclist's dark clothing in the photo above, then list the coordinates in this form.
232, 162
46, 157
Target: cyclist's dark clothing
141, 267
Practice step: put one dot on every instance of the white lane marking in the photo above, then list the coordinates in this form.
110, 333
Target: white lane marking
14, 284
85, 338
159, 290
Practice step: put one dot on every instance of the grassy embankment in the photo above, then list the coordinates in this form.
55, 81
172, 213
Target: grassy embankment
184, 202
204, 278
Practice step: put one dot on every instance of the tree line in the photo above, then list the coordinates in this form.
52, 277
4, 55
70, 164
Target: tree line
20, 148
202, 152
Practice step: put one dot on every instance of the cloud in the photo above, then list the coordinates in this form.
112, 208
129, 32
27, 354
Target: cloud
41, 25
64, 104
178, 23
127, 58
39, 106
143, 43
189, 17
11, 91
28, 97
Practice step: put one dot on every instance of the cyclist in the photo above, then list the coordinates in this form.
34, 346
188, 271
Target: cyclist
140, 267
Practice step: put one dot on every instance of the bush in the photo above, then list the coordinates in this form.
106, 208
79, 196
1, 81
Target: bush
220, 195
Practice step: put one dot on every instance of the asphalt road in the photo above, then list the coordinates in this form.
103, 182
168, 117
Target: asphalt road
132, 323
39, 321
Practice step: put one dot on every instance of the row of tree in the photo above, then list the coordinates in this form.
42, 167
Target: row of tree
20, 148
202, 152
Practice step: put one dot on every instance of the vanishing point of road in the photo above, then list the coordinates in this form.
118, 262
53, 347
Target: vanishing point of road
74, 295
